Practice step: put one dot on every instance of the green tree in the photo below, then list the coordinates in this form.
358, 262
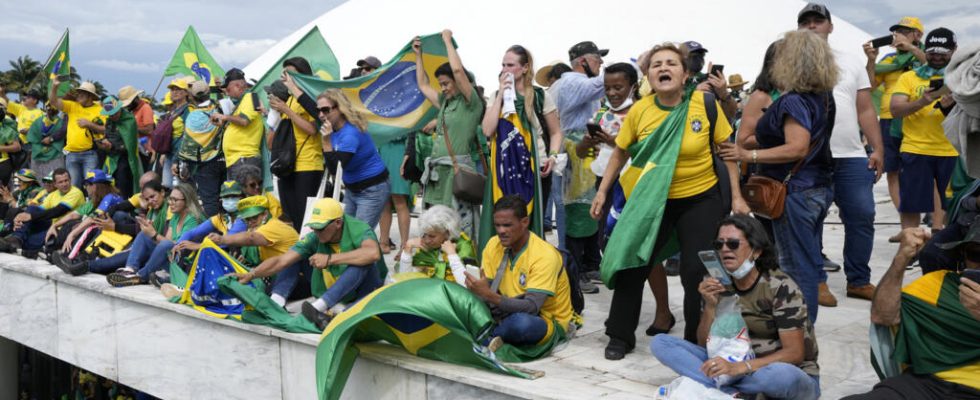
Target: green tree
22, 71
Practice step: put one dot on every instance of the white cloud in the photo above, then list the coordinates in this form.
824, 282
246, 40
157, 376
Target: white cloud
40, 34
121, 65
964, 25
239, 52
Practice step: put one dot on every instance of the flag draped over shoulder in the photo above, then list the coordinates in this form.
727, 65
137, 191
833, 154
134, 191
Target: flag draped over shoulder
647, 178
513, 171
431, 318
193, 59
389, 97
59, 64
202, 291
314, 49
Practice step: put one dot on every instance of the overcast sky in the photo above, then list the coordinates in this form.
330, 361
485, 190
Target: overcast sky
130, 42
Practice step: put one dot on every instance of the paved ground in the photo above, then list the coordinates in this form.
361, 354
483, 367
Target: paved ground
842, 332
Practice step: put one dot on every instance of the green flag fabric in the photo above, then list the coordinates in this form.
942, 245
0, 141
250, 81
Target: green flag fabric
389, 97
314, 49
193, 59
261, 310
647, 178
126, 127
431, 318
59, 64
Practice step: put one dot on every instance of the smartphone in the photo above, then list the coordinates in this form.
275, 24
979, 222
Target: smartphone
256, 104
712, 261
717, 68
882, 41
593, 128
472, 270
971, 274
936, 84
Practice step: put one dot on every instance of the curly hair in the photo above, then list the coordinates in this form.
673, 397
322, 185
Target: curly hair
343, 104
440, 218
804, 63
757, 237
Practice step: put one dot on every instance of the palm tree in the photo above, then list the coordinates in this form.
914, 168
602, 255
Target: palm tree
99, 89
22, 72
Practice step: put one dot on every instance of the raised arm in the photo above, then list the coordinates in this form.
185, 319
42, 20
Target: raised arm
886, 305
421, 77
53, 98
459, 73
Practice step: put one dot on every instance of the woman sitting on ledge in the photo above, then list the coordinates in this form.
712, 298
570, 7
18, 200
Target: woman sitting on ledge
441, 245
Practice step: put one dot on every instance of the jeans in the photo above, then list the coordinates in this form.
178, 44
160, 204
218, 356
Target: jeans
80, 163
359, 280
32, 233
521, 329
109, 264
798, 241
853, 183
208, 177
147, 256
776, 380
367, 204
287, 279
557, 200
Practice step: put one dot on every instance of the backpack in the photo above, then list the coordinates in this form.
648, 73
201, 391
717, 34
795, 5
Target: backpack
575, 291
161, 139
283, 152
201, 140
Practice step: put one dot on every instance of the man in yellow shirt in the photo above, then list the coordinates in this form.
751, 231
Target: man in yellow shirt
928, 158
522, 279
272, 237
31, 225
26, 111
82, 115
937, 323
244, 127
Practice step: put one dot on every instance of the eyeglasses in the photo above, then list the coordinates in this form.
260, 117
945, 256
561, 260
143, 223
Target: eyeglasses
325, 110
731, 243
175, 199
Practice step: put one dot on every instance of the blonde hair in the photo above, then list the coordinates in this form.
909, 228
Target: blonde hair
344, 106
804, 63
525, 58
644, 60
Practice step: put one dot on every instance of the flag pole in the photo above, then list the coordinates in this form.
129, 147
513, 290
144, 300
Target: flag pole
154, 96
50, 56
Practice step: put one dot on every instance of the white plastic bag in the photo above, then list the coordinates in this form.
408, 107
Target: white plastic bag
729, 337
684, 388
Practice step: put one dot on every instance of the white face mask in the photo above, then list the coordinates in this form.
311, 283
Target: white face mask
230, 205
626, 103
743, 270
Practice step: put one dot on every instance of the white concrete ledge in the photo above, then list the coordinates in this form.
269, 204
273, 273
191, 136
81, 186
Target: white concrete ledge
134, 336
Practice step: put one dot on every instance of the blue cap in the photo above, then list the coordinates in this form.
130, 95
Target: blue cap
97, 176
693, 46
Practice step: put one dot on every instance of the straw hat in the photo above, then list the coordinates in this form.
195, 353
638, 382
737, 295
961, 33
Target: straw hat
127, 94
735, 81
541, 77
88, 87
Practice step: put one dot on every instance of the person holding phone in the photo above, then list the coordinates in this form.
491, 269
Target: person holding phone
712, 82
934, 322
927, 155
783, 339
906, 38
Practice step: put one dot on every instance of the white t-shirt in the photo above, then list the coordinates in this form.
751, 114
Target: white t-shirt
845, 141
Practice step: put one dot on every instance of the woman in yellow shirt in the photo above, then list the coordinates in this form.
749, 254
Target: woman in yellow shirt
694, 203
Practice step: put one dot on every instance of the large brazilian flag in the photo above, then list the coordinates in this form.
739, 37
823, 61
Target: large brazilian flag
314, 49
59, 64
193, 59
430, 318
389, 97
647, 181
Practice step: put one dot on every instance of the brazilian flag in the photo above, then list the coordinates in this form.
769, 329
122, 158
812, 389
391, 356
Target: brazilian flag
314, 49
647, 179
193, 59
430, 318
203, 292
389, 97
59, 63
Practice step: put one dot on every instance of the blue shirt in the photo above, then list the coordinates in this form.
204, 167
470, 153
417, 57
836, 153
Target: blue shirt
366, 162
578, 99
816, 113
201, 231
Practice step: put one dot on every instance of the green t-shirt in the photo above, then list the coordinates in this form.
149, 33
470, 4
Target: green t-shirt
461, 119
578, 221
190, 222
86, 208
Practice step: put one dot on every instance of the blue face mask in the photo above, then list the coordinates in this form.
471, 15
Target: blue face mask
230, 204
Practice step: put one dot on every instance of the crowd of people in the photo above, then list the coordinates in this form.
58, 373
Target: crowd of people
643, 165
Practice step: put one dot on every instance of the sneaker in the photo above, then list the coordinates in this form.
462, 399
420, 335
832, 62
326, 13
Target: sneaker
672, 266
587, 286
830, 266
321, 320
866, 292
123, 277
60, 260
824, 297
594, 276
158, 278
9, 244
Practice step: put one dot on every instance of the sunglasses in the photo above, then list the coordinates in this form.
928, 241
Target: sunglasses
325, 110
731, 243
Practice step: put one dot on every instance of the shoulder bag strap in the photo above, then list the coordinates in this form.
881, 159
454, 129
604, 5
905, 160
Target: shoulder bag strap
501, 269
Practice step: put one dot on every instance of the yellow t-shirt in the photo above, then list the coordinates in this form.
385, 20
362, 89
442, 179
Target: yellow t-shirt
888, 79
25, 118
73, 199
243, 141
309, 151
281, 237
694, 172
538, 268
79, 139
927, 288
275, 209
135, 201
922, 131
39, 198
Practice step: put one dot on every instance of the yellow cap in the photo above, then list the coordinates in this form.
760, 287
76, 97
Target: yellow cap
167, 100
908, 22
252, 206
179, 83
324, 211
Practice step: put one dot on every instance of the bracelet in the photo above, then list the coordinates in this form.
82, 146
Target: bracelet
755, 156
748, 366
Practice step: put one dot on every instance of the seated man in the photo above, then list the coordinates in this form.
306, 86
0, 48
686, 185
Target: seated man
937, 318
31, 225
347, 251
522, 279
271, 236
